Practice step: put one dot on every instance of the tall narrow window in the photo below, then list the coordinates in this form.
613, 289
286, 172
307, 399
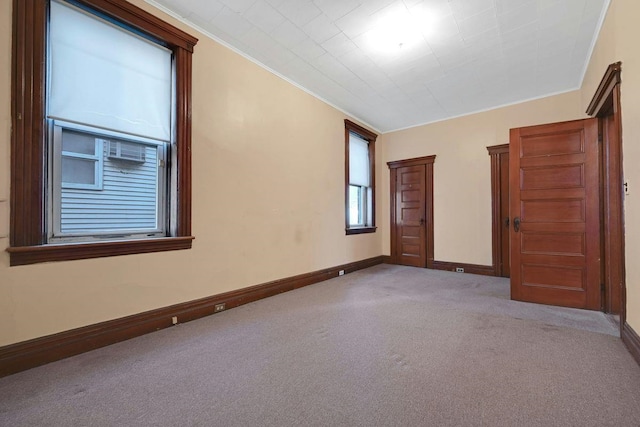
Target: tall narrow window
101, 142
360, 179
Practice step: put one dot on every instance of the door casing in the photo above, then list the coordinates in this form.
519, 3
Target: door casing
606, 105
500, 209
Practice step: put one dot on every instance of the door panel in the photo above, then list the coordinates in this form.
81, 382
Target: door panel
562, 244
551, 145
554, 192
553, 277
411, 196
552, 210
548, 178
410, 215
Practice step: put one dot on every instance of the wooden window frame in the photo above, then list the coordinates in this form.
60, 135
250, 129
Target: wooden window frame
370, 137
28, 233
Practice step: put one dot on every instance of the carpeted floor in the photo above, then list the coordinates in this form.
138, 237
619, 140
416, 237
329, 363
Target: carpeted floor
385, 346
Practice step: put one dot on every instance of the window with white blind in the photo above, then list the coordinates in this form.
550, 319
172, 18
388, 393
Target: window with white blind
109, 108
360, 179
110, 172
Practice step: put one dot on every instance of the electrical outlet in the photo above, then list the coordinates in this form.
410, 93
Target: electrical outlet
341, 273
219, 307
174, 320
459, 270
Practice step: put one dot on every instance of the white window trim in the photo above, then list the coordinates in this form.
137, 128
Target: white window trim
98, 166
362, 206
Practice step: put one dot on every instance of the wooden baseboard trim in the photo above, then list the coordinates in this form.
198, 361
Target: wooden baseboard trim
386, 259
631, 339
39, 351
484, 270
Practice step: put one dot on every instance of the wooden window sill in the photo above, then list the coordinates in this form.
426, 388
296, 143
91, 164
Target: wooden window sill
360, 230
23, 255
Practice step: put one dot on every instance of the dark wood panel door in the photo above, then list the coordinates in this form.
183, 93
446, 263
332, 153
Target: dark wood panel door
410, 215
555, 211
411, 197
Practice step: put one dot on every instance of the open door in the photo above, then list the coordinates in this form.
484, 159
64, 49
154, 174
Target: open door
555, 211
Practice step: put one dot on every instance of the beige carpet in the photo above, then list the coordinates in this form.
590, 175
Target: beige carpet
386, 346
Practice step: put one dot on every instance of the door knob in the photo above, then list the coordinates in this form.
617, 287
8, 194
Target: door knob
516, 224
421, 222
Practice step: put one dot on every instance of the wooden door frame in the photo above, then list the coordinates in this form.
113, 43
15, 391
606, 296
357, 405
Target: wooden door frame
605, 105
427, 161
496, 196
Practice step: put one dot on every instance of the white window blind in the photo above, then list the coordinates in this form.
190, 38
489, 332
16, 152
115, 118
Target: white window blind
104, 76
358, 161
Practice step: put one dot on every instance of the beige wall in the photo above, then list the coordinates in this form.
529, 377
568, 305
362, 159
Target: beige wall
618, 41
268, 203
462, 171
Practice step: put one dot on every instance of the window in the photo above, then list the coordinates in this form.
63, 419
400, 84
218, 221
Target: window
101, 131
360, 179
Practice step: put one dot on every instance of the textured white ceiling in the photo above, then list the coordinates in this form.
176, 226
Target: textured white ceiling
469, 56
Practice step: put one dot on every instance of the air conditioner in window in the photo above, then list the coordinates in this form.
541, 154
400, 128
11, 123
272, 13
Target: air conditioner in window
127, 151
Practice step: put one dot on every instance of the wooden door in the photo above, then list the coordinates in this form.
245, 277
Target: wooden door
410, 216
555, 214
412, 211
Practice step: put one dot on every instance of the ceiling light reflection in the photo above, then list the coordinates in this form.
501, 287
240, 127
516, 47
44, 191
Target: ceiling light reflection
400, 31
